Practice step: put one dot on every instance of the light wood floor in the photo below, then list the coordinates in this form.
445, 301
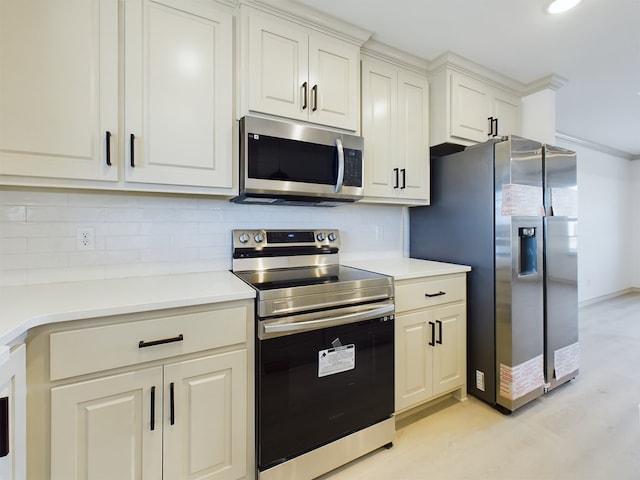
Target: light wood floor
588, 429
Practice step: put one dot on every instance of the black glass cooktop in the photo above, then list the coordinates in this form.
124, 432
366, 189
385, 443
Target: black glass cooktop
305, 276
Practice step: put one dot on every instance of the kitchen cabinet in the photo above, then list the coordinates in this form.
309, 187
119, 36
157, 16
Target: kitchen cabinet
149, 395
68, 123
467, 110
395, 126
13, 409
297, 72
63, 84
430, 339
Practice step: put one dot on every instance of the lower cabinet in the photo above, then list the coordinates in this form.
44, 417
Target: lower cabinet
172, 422
180, 409
430, 330
13, 448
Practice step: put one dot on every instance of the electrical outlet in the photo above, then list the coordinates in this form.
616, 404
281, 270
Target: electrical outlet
85, 238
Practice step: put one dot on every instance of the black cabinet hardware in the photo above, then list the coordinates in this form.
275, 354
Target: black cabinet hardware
439, 341
314, 91
433, 334
495, 130
4, 426
493, 127
396, 172
108, 147
152, 420
132, 145
304, 96
439, 294
172, 404
404, 177
152, 343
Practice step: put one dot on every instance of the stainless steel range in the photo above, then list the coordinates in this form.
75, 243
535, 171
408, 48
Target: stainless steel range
324, 352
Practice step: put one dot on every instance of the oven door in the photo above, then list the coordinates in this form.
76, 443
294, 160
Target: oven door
314, 387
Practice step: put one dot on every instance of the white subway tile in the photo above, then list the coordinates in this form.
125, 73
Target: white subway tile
65, 214
10, 246
13, 213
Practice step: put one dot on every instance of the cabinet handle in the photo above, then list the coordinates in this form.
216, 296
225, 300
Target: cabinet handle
490, 129
153, 409
495, 122
304, 96
314, 90
433, 334
172, 404
108, 146
404, 178
439, 294
439, 341
396, 171
132, 145
152, 343
4, 426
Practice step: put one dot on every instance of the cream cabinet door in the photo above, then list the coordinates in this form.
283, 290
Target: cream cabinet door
470, 108
178, 107
449, 358
278, 68
334, 83
413, 135
413, 359
108, 428
395, 126
506, 108
13, 398
59, 82
379, 127
206, 414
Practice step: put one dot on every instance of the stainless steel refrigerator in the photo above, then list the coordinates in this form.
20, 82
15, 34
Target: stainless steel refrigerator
490, 210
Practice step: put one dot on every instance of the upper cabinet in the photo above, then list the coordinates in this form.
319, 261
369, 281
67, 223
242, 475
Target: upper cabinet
395, 126
59, 89
178, 102
294, 70
68, 123
470, 109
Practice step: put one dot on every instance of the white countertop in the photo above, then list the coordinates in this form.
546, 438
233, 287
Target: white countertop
25, 307
402, 268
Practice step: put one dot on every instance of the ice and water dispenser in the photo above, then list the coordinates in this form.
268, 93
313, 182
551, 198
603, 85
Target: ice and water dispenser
528, 251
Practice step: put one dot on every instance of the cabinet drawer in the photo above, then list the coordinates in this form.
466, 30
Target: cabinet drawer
427, 293
87, 350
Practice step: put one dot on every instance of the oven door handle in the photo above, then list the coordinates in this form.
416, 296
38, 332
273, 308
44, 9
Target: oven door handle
280, 328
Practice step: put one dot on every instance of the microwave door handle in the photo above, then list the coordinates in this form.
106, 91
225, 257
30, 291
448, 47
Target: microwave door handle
340, 180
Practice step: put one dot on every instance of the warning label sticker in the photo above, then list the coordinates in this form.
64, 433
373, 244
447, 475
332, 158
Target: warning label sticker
517, 381
566, 360
336, 360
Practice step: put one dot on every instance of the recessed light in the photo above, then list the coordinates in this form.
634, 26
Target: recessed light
559, 6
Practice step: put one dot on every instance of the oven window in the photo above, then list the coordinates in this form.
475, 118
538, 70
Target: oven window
301, 406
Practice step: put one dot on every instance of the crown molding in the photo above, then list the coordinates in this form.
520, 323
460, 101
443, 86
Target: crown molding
387, 53
311, 18
551, 82
597, 146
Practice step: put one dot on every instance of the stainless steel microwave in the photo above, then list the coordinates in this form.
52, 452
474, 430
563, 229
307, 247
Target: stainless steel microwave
294, 164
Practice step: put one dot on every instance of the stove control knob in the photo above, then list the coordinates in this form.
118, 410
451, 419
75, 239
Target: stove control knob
258, 237
332, 237
320, 237
244, 238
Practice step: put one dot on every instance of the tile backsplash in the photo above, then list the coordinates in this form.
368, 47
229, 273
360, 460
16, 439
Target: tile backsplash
136, 234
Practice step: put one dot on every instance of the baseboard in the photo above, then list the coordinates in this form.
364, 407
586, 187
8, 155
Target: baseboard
609, 296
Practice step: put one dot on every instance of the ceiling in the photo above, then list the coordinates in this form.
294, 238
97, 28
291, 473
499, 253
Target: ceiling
595, 47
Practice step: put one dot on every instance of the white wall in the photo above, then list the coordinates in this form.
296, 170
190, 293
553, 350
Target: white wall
606, 223
635, 209
143, 234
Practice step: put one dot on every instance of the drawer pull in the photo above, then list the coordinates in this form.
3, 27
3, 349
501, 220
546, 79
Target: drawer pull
143, 344
440, 293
